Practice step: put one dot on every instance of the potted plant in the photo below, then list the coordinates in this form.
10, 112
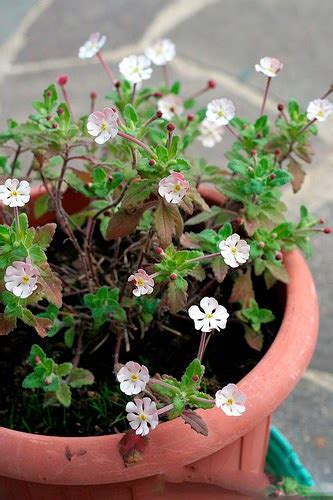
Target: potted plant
143, 284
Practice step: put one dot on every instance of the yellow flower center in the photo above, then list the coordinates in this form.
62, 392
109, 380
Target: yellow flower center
209, 316
25, 279
320, 113
220, 114
233, 250
140, 282
136, 69
14, 193
134, 377
103, 125
177, 188
143, 417
230, 402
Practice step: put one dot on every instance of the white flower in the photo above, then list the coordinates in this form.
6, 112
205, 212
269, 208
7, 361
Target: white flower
269, 66
210, 133
142, 413
92, 46
173, 188
15, 193
161, 52
170, 105
319, 109
133, 378
234, 250
143, 282
135, 68
103, 125
220, 111
21, 278
212, 317
231, 400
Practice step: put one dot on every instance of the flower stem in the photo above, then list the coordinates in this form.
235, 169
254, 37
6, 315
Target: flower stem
204, 257
133, 93
165, 409
105, 66
138, 142
265, 95
17, 219
165, 75
307, 126
201, 349
206, 401
66, 99
157, 381
233, 132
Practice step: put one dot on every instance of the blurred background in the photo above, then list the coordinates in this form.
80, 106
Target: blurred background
220, 39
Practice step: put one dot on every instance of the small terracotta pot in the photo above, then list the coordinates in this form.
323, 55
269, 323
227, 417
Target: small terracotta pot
178, 463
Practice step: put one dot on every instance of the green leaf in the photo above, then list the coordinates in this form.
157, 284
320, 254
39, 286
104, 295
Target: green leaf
32, 381
79, 377
41, 206
162, 153
44, 235
64, 395
64, 369
175, 88
193, 375
130, 114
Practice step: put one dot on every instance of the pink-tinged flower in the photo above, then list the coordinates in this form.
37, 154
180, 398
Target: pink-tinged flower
220, 111
135, 68
161, 52
143, 282
211, 317
14, 193
171, 105
133, 378
92, 46
231, 400
319, 109
103, 125
173, 188
210, 133
269, 66
21, 278
142, 415
234, 250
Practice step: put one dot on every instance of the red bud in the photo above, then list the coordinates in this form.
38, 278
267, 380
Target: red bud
327, 230
261, 244
62, 79
60, 111
171, 127
173, 276
157, 94
279, 256
55, 125
37, 360
159, 250
195, 378
280, 107
159, 114
49, 93
190, 118
212, 84
277, 151
93, 95
259, 135
254, 152
152, 162
272, 177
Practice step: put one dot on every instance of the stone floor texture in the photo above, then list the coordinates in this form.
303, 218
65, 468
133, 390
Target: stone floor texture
221, 39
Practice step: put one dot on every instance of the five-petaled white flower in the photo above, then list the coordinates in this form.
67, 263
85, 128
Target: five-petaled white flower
171, 105
143, 282
220, 111
210, 133
213, 316
269, 66
319, 109
21, 278
103, 125
133, 378
231, 400
92, 46
234, 250
142, 414
173, 188
161, 52
135, 68
15, 193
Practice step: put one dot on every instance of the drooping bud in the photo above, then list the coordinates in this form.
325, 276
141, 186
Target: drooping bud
117, 84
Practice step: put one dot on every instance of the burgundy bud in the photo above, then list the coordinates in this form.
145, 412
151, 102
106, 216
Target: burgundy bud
277, 152
254, 152
49, 93
157, 94
195, 378
280, 107
272, 177
238, 220
62, 79
159, 113
327, 230
321, 221
259, 135
261, 244
93, 95
117, 84
212, 84
190, 118
173, 276
279, 256
159, 250
171, 127
55, 125
47, 381
152, 162
37, 360
60, 111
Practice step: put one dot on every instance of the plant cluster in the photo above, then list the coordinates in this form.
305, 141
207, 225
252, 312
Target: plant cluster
166, 247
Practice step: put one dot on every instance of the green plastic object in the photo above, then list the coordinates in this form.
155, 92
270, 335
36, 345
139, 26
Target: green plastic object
282, 459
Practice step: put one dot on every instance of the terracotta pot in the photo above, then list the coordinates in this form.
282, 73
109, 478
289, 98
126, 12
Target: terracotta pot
179, 463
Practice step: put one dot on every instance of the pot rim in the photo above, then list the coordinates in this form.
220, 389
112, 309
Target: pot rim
44, 459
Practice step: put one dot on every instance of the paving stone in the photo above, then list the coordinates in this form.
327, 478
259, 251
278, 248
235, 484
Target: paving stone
66, 24
10, 17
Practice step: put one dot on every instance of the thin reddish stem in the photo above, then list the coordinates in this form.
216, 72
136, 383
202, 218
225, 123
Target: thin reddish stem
265, 95
106, 67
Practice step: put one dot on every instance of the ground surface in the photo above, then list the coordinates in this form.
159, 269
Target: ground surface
221, 39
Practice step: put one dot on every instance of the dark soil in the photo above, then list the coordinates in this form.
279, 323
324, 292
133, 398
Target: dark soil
100, 409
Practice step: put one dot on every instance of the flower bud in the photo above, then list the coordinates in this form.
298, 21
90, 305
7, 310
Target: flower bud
48, 381
327, 230
321, 221
279, 256
159, 250
37, 360
93, 95
212, 84
173, 276
171, 127
261, 244
272, 177
49, 93
157, 94
60, 111
190, 118
253, 152
117, 84
55, 125
280, 107
62, 79
259, 135
152, 162
195, 378
277, 493
277, 152
159, 113
238, 221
